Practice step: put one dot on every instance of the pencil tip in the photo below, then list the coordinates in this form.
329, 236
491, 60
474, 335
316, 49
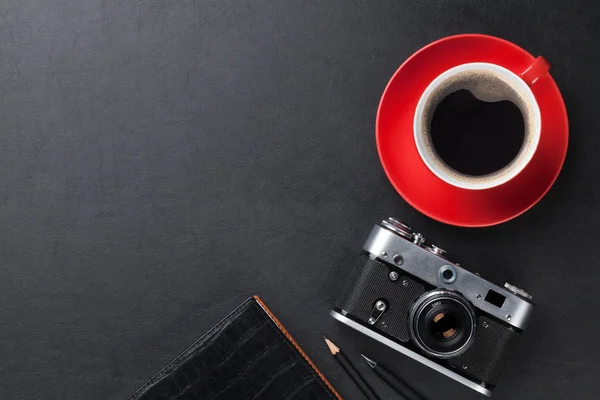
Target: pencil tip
371, 363
332, 347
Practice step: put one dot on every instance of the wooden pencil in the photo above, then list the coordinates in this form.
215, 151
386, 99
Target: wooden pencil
351, 370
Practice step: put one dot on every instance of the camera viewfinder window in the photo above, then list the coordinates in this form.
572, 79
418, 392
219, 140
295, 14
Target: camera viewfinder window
495, 298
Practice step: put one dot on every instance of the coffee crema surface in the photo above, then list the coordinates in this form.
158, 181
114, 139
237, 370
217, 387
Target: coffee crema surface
477, 126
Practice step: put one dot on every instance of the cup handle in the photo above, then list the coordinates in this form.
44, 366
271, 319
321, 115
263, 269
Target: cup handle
538, 68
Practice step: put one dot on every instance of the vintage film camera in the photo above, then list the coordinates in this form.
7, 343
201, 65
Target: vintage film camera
405, 294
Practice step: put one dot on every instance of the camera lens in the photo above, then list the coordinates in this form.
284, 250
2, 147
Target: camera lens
442, 323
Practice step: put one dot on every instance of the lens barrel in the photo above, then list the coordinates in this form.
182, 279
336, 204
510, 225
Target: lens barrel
442, 323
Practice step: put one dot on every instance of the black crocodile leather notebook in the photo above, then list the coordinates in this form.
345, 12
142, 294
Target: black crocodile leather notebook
248, 355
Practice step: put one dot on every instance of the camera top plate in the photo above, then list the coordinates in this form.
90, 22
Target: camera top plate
387, 246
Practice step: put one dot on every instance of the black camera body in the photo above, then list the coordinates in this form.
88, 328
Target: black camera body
405, 294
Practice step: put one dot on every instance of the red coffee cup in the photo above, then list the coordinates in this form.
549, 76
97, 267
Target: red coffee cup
440, 192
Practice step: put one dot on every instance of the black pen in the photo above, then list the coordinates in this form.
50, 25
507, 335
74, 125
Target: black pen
395, 382
351, 370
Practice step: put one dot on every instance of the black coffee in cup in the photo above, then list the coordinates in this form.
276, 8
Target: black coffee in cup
476, 127
476, 137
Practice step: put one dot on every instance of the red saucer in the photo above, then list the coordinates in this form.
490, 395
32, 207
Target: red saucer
411, 177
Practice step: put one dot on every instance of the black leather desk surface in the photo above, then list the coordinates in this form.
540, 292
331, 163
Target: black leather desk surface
160, 161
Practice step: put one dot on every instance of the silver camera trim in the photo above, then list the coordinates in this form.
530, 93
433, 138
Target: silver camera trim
407, 352
419, 262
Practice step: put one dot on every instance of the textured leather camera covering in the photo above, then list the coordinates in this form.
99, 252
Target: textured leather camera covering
486, 358
368, 282
248, 355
